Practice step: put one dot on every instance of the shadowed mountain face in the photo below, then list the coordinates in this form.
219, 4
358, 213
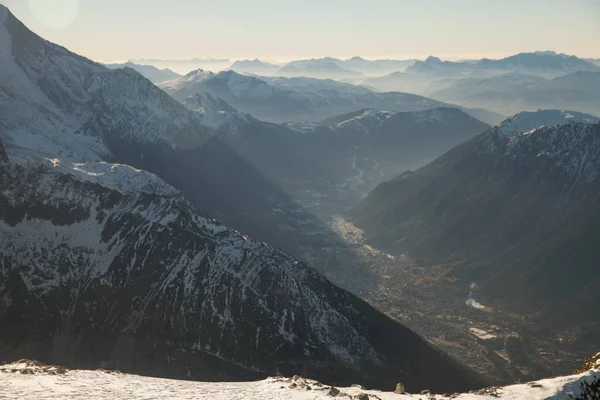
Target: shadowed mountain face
146, 285
514, 212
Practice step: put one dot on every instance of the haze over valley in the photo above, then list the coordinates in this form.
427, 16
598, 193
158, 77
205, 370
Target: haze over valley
296, 224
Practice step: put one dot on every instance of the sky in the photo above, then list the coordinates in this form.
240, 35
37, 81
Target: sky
282, 30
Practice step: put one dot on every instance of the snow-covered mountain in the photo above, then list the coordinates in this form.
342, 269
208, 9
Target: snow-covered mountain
525, 121
29, 379
56, 104
154, 74
514, 209
195, 299
187, 85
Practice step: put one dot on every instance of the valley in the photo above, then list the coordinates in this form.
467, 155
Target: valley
438, 301
440, 306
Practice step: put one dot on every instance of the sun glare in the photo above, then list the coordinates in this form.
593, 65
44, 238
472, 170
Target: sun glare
56, 14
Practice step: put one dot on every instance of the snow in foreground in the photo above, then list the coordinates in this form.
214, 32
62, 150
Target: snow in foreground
28, 380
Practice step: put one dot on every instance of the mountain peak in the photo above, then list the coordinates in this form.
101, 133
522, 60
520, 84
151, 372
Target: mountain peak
196, 72
433, 60
545, 53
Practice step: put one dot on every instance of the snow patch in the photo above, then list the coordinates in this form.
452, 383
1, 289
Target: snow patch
123, 178
525, 122
18, 381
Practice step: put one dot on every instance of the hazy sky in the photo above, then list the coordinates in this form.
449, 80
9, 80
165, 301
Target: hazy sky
107, 30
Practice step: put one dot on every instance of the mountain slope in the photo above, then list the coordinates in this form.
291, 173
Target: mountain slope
195, 298
154, 74
381, 144
510, 208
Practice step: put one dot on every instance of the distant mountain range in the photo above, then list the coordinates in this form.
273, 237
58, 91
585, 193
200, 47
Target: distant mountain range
523, 82
512, 92
322, 68
546, 62
513, 209
299, 99
593, 60
317, 68
154, 74
184, 66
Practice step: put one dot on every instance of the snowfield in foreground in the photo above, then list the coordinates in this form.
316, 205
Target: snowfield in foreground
30, 380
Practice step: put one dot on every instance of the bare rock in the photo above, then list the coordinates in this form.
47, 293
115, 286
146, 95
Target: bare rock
400, 389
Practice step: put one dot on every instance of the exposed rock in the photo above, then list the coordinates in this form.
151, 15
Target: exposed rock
400, 389
332, 391
591, 363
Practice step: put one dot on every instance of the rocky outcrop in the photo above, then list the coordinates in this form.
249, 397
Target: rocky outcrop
591, 363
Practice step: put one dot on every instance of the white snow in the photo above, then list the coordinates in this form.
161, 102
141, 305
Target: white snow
26, 381
471, 302
526, 121
378, 116
481, 334
123, 178
475, 304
